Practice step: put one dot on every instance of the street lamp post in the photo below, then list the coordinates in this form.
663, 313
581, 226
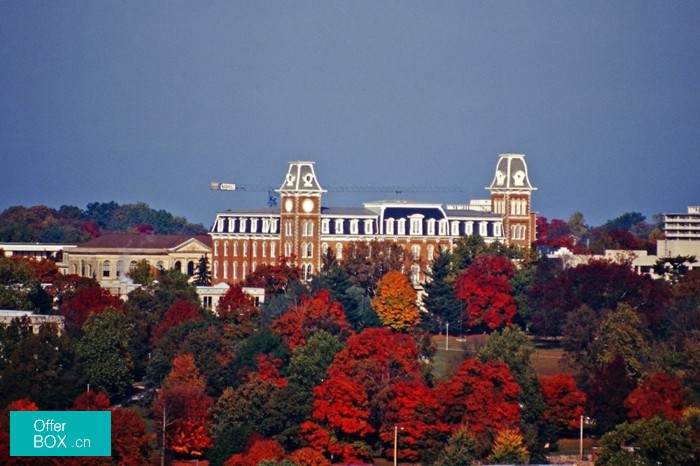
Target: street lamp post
447, 336
396, 443
581, 443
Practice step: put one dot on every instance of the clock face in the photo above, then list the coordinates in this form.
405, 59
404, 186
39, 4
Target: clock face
288, 205
307, 205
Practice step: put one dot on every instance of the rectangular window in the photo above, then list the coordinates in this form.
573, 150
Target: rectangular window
354, 226
339, 226
325, 226
368, 227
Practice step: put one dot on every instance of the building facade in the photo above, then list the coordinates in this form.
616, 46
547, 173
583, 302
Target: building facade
109, 257
301, 227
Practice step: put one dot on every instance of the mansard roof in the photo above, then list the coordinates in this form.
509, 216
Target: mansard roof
511, 174
300, 178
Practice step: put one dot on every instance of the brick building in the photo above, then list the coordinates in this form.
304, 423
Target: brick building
302, 227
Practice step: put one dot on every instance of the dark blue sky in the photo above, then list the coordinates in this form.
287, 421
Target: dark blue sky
151, 100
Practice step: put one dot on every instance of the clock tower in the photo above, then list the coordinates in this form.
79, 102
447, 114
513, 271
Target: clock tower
511, 195
300, 217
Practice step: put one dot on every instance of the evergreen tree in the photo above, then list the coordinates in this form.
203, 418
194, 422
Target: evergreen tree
201, 274
440, 300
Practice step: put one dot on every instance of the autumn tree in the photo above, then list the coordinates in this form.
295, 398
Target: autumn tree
131, 440
481, 397
313, 313
395, 302
143, 273
181, 410
104, 351
274, 278
237, 312
414, 407
92, 400
179, 312
486, 292
511, 346
340, 422
258, 451
610, 386
508, 448
660, 395
565, 404
366, 262
86, 301
20, 404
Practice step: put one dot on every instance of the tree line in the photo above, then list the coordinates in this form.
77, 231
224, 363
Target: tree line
336, 369
73, 225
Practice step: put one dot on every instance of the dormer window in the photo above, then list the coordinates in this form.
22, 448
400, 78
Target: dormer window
339, 226
469, 228
416, 224
325, 226
242, 224
442, 227
431, 226
390, 226
253, 225
368, 227
354, 223
454, 228
401, 226
483, 229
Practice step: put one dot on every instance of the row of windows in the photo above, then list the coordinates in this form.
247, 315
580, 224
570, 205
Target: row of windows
307, 270
416, 225
245, 224
517, 232
85, 269
244, 248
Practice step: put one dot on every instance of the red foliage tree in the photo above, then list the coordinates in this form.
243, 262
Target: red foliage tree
481, 397
23, 404
182, 409
86, 301
485, 290
377, 357
178, 313
340, 419
314, 313
43, 270
661, 395
413, 407
237, 312
564, 402
91, 401
308, 456
274, 278
259, 450
131, 442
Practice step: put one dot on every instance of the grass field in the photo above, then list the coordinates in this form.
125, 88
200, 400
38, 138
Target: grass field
546, 360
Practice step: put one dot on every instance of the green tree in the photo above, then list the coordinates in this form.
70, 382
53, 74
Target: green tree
143, 274
646, 442
41, 366
16, 284
201, 274
104, 350
624, 333
459, 450
309, 363
673, 268
577, 224
512, 346
440, 299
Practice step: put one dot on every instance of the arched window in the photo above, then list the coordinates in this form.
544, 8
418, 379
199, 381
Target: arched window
225, 270
190, 268
215, 269
106, 266
120, 268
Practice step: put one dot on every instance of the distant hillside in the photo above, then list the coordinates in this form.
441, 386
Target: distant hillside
70, 224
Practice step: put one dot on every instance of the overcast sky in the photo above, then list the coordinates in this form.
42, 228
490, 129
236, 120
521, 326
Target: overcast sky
150, 101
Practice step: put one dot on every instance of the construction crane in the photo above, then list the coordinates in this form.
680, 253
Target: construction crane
369, 188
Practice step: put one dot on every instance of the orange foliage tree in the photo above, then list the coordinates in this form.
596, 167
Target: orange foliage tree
660, 395
564, 402
314, 313
308, 456
395, 302
91, 401
485, 289
131, 442
481, 397
341, 417
259, 450
182, 409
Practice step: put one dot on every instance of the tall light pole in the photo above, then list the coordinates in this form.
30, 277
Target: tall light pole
396, 443
581, 443
447, 336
